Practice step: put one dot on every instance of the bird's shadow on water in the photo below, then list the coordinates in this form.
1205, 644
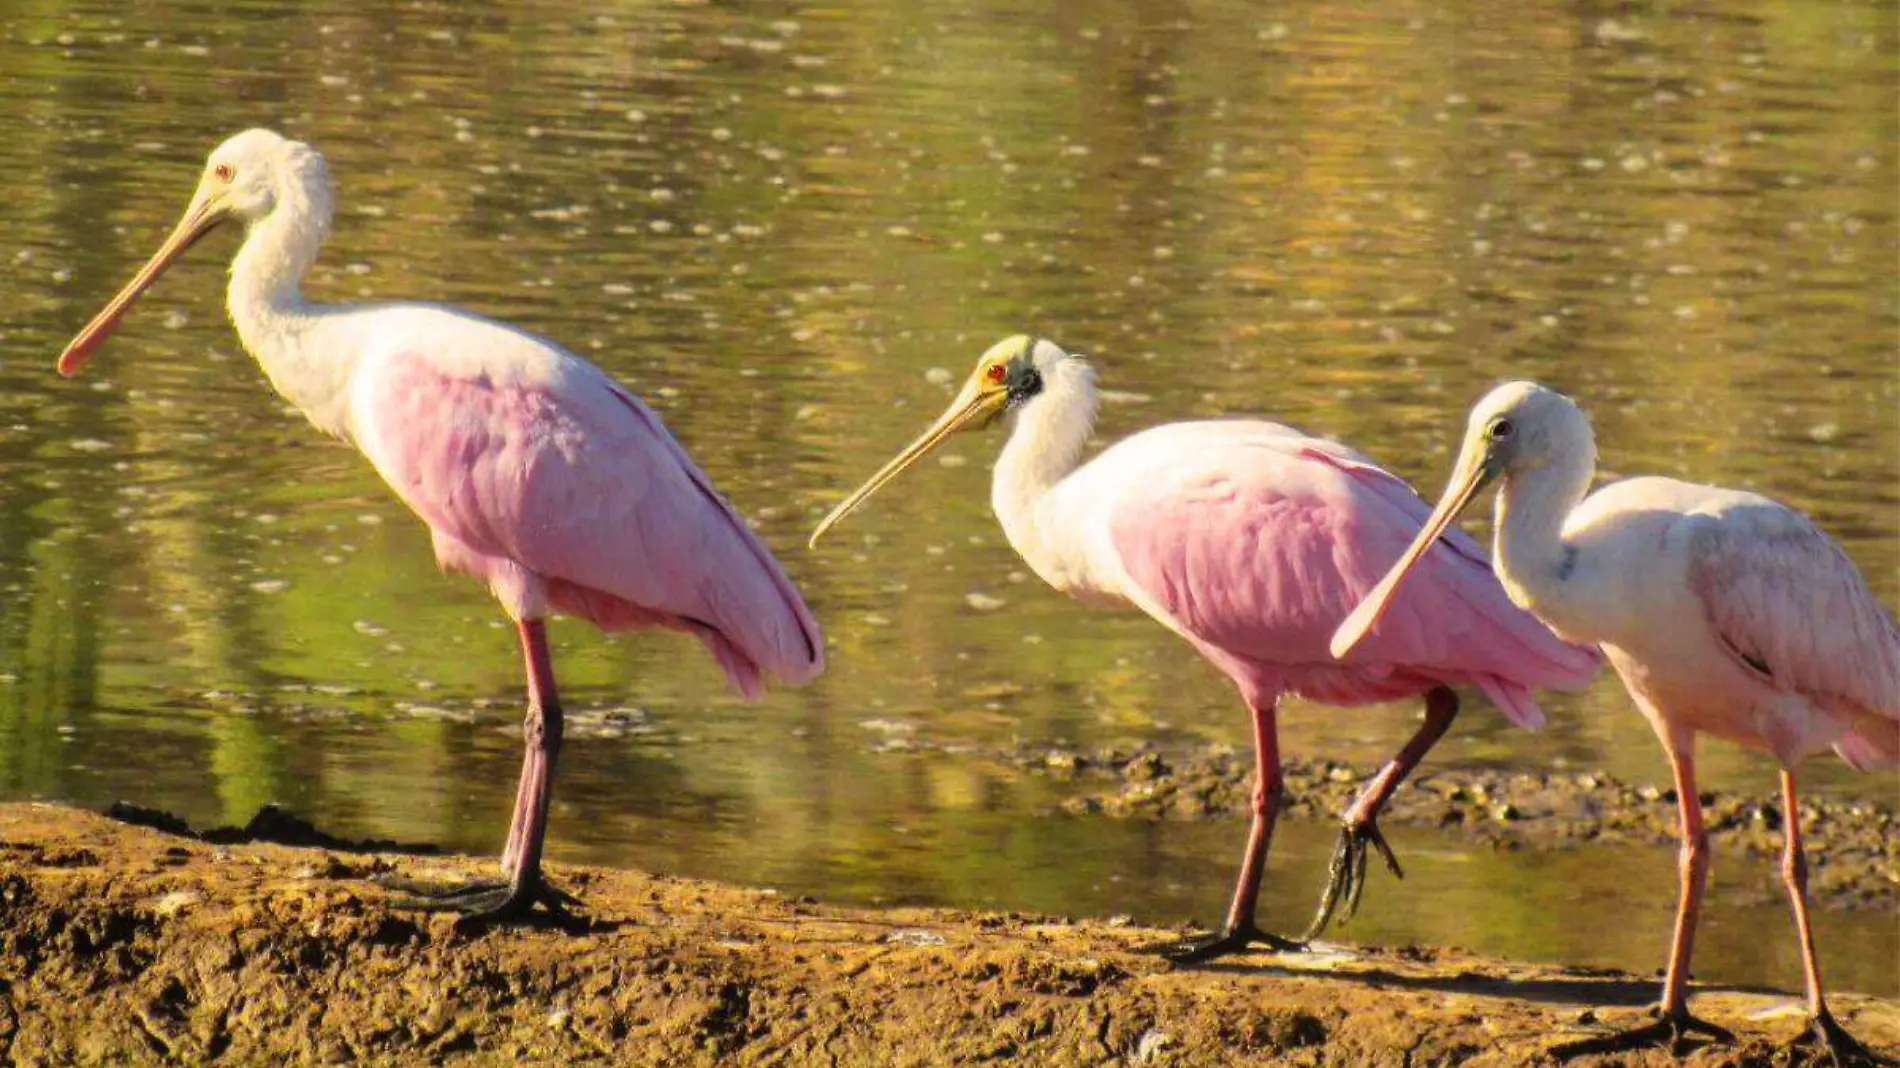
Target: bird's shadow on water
270, 824
276, 826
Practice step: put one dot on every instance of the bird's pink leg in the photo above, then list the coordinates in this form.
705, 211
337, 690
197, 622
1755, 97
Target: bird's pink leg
1441, 707
541, 736
1240, 930
1692, 875
1359, 826
1671, 1031
1266, 811
490, 902
1794, 873
1823, 1030
511, 853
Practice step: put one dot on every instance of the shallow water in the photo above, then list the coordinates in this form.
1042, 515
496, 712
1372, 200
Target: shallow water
782, 227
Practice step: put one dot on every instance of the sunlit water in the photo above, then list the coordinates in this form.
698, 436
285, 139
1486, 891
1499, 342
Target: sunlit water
779, 226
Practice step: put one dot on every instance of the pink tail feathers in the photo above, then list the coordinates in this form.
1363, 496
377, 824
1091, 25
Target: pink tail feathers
757, 622
1874, 747
793, 649
1512, 700
754, 622
739, 668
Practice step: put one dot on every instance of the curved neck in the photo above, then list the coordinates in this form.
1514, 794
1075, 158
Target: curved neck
1534, 562
277, 326
1051, 430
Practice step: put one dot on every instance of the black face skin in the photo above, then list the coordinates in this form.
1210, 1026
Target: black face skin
1023, 380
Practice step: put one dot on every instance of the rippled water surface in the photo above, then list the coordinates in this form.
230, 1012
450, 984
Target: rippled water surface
788, 227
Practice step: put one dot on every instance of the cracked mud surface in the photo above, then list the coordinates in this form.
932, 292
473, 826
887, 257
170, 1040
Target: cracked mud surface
127, 944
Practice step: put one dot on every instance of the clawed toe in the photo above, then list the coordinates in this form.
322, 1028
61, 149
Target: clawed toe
1672, 1032
484, 903
1234, 940
1826, 1042
1346, 876
424, 894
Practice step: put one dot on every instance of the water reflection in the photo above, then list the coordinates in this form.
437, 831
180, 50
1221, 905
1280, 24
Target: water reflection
1351, 217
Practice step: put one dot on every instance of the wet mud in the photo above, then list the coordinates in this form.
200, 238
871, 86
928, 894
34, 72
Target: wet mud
128, 944
1853, 848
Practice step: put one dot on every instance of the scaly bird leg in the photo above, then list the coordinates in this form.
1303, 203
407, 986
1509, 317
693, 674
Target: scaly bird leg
1828, 1040
1672, 1030
1359, 827
486, 902
1240, 931
511, 853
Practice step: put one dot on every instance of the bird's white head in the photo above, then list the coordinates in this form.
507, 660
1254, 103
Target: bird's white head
1516, 428
246, 176
1520, 426
1009, 375
245, 179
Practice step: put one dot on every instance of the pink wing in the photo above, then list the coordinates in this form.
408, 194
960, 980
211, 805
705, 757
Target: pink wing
1258, 541
1792, 608
538, 473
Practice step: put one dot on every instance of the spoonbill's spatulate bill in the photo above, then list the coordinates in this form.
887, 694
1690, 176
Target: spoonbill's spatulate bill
1724, 612
1252, 541
535, 471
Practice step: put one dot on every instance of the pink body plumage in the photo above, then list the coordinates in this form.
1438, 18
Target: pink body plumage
545, 479
1254, 541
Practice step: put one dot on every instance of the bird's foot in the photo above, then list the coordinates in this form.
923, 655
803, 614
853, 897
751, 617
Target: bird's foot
1671, 1032
484, 903
1826, 1042
1346, 877
1233, 940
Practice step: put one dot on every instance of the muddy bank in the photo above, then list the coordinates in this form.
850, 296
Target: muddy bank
125, 944
1853, 848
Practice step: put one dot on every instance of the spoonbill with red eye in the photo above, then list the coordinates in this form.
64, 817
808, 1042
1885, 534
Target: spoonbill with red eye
535, 472
1724, 612
1252, 541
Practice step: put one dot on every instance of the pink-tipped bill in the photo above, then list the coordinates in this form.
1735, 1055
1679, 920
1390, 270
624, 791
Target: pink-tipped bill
198, 221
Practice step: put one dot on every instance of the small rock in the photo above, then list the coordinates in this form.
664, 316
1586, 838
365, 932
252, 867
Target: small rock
176, 902
1151, 1043
1147, 766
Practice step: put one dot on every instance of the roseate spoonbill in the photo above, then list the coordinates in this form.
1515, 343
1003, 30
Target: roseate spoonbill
1252, 541
1724, 612
536, 472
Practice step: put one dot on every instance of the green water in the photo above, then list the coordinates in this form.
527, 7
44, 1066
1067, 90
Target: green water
778, 225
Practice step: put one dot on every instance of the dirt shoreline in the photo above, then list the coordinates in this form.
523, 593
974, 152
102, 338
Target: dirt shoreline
1853, 848
125, 944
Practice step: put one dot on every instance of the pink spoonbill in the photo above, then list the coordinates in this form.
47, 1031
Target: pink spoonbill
1252, 541
536, 472
1725, 613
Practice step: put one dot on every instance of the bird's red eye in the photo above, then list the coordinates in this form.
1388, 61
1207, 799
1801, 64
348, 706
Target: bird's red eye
223, 171
995, 373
